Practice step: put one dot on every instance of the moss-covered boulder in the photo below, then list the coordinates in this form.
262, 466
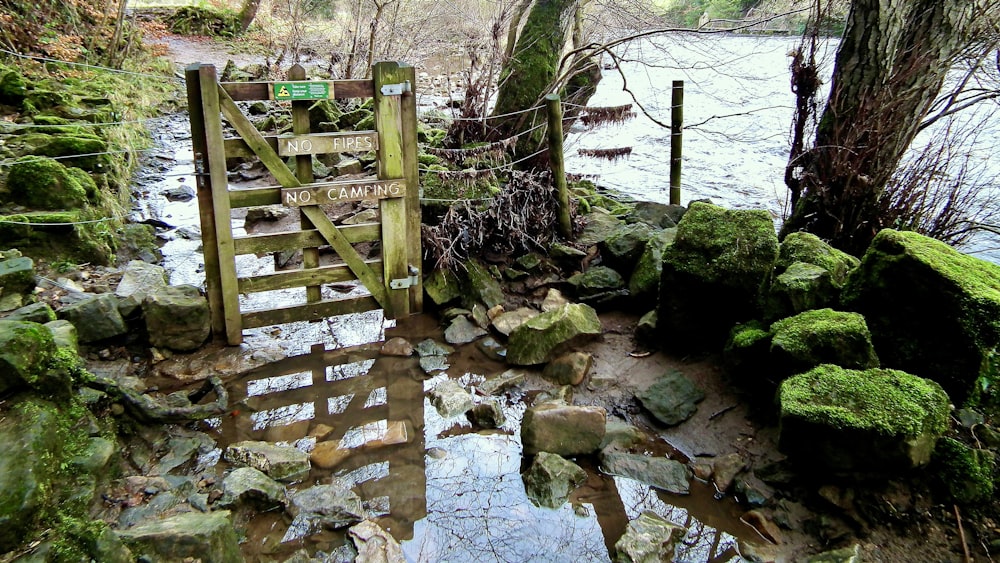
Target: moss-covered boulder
208, 537
13, 87
821, 336
747, 350
39, 312
659, 215
96, 318
713, 275
809, 248
967, 475
850, 421
177, 317
538, 339
479, 285
442, 286
17, 275
44, 183
644, 283
551, 478
81, 151
622, 249
599, 285
802, 286
932, 311
26, 349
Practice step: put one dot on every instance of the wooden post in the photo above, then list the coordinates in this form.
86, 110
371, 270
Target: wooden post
216, 166
388, 112
676, 135
304, 172
203, 182
408, 107
554, 111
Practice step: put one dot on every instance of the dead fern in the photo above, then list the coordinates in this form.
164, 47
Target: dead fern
607, 154
592, 117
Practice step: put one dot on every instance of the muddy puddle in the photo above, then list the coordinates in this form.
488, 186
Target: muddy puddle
446, 490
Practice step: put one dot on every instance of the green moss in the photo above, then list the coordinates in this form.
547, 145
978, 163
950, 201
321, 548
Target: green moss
825, 336
716, 241
205, 20
885, 401
749, 334
967, 474
88, 242
44, 183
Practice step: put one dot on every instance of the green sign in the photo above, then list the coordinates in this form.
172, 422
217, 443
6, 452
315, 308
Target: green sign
305, 90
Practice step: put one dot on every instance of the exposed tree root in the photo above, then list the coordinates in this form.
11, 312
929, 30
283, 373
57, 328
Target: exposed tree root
148, 409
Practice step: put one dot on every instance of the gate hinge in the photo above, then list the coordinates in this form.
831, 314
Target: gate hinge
395, 89
407, 282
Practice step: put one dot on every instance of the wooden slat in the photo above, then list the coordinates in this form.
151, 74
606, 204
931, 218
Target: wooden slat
309, 311
395, 259
255, 197
256, 141
299, 278
237, 147
327, 143
347, 253
342, 89
210, 95
337, 192
304, 173
276, 242
408, 106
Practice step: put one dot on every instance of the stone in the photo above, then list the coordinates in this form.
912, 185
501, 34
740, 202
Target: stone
487, 414
550, 479
841, 421
461, 331
562, 429
140, 279
450, 398
620, 435
442, 287
209, 537
597, 228
621, 249
809, 248
554, 299
481, 315
43, 183
569, 369
282, 463
536, 340
328, 454
725, 469
96, 318
530, 261
397, 346
362, 217
850, 554
644, 282
672, 398
645, 329
507, 380
26, 349
180, 192
249, 485
95, 457
667, 474
39, 312
177, 317
64, 335
654, 214
562, 395
713, 275
565, 254
17, 276
822, 336
800, 288
752, 492
965, 473
506, 322
332, 506
479, 285
432, 364
599, 285
747, 352
764, 526
430, 347
932, 311
375, 544
492, 349
648, 539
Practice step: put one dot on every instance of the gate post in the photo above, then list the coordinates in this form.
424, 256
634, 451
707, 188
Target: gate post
304, 172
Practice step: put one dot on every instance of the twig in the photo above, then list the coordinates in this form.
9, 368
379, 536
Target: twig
961, 536
719, 413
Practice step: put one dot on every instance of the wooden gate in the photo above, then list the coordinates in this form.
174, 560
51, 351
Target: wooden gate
393, 280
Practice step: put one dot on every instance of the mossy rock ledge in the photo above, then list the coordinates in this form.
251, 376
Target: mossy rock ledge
876, 421
540, 338
713, 275
821, 336
932, 311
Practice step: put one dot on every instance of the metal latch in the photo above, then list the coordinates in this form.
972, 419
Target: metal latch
404, 283
395, 89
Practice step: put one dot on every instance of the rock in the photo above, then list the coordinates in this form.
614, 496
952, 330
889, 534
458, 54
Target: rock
713, 275
809, 248
177, 317
598, 227
725, 469
645, 329
361, 217
655, 214
180, 192
249, 485
479, 285
95, 457
36, 312
672, 399
747, 351
562, 429
644, 282
43, 183
328, 454
506, 380
850, 554
442, 287
566, 254
374, 544
140, 279
843, 421
282, 463
450, 399
506, 322
965, 473
752, 492
64, 335
562, 395
800, 288
17, 276
432, 364
822, 336
554, 299
648, 539
430, 347
461, 331
332, 506
932, 311
620, 435
667, 474
550, 479
26, 350
492, 349
599, 285
95, 317
568, 369
397, 346
487, 414
621, 249
537, 339
764, 526
208, 537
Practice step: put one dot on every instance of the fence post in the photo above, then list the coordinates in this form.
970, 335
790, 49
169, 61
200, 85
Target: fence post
554, 111
676, 135
304, 172
408, 109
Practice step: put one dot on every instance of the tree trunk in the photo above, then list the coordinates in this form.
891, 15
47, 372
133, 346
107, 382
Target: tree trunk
890, 66
248, 13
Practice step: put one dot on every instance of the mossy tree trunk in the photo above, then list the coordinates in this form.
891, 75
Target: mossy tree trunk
890, 67
535, 68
